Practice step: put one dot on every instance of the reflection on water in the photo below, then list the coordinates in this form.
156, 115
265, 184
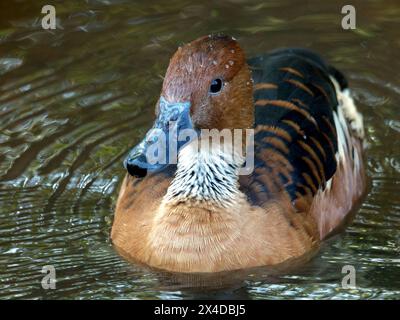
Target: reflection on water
74, 100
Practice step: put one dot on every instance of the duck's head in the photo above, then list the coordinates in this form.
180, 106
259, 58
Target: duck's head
207, 86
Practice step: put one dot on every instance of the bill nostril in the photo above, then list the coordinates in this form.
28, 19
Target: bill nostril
136, 171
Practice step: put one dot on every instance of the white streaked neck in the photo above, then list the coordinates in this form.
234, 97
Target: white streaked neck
205, 175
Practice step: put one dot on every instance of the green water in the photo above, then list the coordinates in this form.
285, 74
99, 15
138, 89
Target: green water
74, 100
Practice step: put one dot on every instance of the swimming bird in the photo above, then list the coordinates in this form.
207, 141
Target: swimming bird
200, 211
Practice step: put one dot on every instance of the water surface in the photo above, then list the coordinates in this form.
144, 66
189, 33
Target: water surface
74, 100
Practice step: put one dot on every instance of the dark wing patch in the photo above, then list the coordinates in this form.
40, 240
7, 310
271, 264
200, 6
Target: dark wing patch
295, 135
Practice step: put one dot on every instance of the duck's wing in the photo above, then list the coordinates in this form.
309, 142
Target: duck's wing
308, 136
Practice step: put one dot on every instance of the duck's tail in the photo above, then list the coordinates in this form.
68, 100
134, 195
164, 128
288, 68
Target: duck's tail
346, 103
348, 184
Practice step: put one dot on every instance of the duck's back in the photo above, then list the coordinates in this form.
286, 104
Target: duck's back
308, 136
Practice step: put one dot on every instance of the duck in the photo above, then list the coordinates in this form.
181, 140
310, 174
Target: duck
199, 211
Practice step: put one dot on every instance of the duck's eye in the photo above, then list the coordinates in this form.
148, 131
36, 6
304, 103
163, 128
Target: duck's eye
216, 86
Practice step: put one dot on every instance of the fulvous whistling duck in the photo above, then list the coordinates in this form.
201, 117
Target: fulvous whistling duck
199, 214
